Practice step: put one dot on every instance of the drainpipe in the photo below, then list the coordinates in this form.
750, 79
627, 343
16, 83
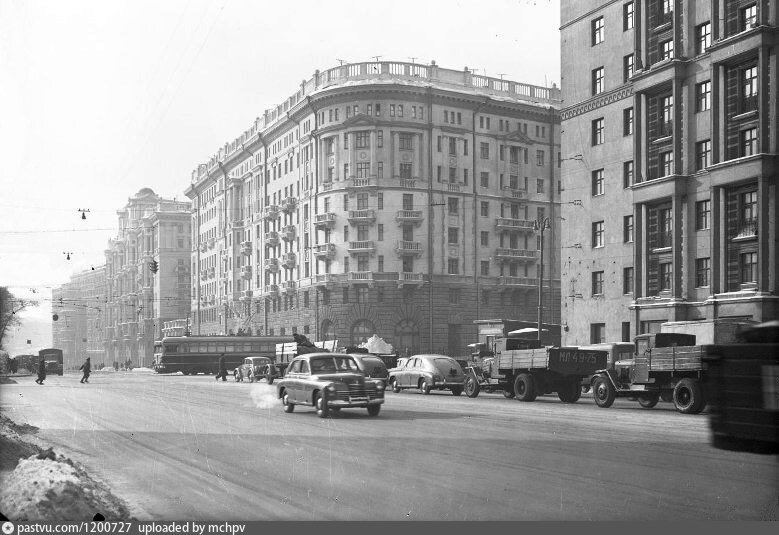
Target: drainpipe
430, 179
475, 212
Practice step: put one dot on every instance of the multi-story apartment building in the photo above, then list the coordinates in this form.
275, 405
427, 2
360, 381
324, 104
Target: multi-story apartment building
79, 306
385, 198
669, 164
151, 230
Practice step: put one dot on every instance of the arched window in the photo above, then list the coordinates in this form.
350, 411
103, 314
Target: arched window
361, 331
407, 337
327, 332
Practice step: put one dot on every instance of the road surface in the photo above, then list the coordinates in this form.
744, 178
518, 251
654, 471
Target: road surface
179, 447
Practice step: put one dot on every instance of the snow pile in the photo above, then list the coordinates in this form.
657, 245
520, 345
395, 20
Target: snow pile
142, 370
262, 397
46, 487
377, 345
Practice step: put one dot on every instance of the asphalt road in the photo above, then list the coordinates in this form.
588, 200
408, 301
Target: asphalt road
180, 447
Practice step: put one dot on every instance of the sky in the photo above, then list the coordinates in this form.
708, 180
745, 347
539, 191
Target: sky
99, 99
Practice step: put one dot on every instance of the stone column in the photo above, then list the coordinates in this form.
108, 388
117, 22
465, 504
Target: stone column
717, 116
678, 246
680, 131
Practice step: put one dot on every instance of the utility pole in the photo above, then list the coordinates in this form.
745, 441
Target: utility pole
540, 226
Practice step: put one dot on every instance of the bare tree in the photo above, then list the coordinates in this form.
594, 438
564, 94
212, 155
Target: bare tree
10, 307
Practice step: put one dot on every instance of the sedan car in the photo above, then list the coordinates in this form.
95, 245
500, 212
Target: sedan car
328, 382
253, 369
373, 367
428, 372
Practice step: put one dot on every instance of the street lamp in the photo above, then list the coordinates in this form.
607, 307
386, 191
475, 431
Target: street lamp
540, 226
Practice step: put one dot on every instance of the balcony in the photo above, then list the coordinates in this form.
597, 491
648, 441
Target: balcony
324, 250
360, 276
246, 272
514, 193
271, 289
453, 188
289, 260
270, 212
325, 278
515, 225
358, 185
324, 220
288, 286
746, 230
289, 204
237, 225
362, 216
272, 238
288, 233
411, 278
271, 264
246, 295
504, 254
407, 183
246, 248
403, 247
409, 216
525, 282
365, 246
327, 186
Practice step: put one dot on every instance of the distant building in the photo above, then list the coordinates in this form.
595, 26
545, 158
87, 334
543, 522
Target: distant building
153, 231
670, 146
385, 198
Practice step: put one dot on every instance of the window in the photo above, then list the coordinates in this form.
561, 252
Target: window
392, 113
703, 96
702, 271
597, 80
380, 138
380, 169
749, 17
380, 228
362, 262
702, 154
749, 142
667, 6
453, 266
454, 296
626, 331
748, 267
485, 238
703, 215
539, 185
749, 89
363, 169
381, 263
702, 37
485, 208
666, 115
485, 151
485, 179
597, 333
627, 121
597, 132
363, 140
597, 234
361, 294
627, 228
747, 214
597, 283
665, 224
627, 280
597, 182
453, 146
628, 67
380, 201
540, 158
627, 16
405, 170
406, 141
665, 276
452, 175
667, 49
598, 31
627, 174
514, 154
666, 163
454, 205
454, 235
485, 268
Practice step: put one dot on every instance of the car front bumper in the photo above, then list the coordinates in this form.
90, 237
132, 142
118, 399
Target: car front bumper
354, 403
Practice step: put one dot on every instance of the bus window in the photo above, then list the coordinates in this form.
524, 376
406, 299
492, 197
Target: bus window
212, 348
220, 347
171, 348
256, 348
229, 348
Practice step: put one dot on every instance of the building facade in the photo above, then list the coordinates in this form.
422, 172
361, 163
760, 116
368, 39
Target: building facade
669, 164
385, 198
79, 307
153, 232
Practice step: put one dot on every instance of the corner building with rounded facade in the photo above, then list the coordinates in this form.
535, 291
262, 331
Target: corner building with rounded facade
384, 198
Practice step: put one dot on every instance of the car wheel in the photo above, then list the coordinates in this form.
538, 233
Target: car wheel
525, 387
649, 400
395, 386
603, 392
688, 396
235, 375
288, 405
457, 390
472, 386
321, 405
373, 410
424, 386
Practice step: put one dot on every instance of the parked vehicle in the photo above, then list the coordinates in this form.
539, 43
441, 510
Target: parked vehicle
373, 367
523, 370
615, 351
427, 373
484, 378
275, 371
252, 369
328, 382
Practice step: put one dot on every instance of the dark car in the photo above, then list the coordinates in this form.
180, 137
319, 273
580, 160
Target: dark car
373, 367
428, 372
329, 382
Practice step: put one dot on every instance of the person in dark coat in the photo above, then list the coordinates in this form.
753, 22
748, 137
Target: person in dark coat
222, 368
87, 367
41, 372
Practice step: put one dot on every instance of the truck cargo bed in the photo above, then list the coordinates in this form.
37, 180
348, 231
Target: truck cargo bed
562, 360
662, 359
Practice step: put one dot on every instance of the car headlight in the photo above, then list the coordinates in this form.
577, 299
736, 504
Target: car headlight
379, 386
330, 388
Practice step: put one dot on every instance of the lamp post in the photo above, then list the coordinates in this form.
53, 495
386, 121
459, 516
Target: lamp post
540, 226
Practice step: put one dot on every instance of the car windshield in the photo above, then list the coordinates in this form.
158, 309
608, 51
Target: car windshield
332, 364
445, 366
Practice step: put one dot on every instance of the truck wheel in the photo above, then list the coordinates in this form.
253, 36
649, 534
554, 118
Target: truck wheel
321, 405
569, 391
472, 386
525, 387
603, 392
667, 395
688, 396
576, 390
649, 400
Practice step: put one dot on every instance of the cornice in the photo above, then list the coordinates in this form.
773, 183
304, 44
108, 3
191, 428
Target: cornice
597, 102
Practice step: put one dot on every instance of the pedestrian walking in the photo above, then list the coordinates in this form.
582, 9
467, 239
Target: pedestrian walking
41, 372
222, 368
87, 367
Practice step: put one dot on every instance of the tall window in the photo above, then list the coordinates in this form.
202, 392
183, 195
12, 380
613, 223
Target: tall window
597, 80
703, 96
749, 89
628, 67
363, 140
597, 283
668, 6
666, 163
749, 17
597, 333
702, 272
598, 31
702, 37
597, 182
665, 276
702, 154
597, 131
406, 141
748, 267
453, 266
485, 179
666, 115
667, 49
597, 234
363, 169
452, 146
408, 201
454, 235
627, 121
703, 215
627, 280
405, 170
454, 205
627, 228
749, 142
540, 158
627, 16
485, 151
665, 224
748, 213
627, 174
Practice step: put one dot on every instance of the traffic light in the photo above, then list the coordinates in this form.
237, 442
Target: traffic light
153, 266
